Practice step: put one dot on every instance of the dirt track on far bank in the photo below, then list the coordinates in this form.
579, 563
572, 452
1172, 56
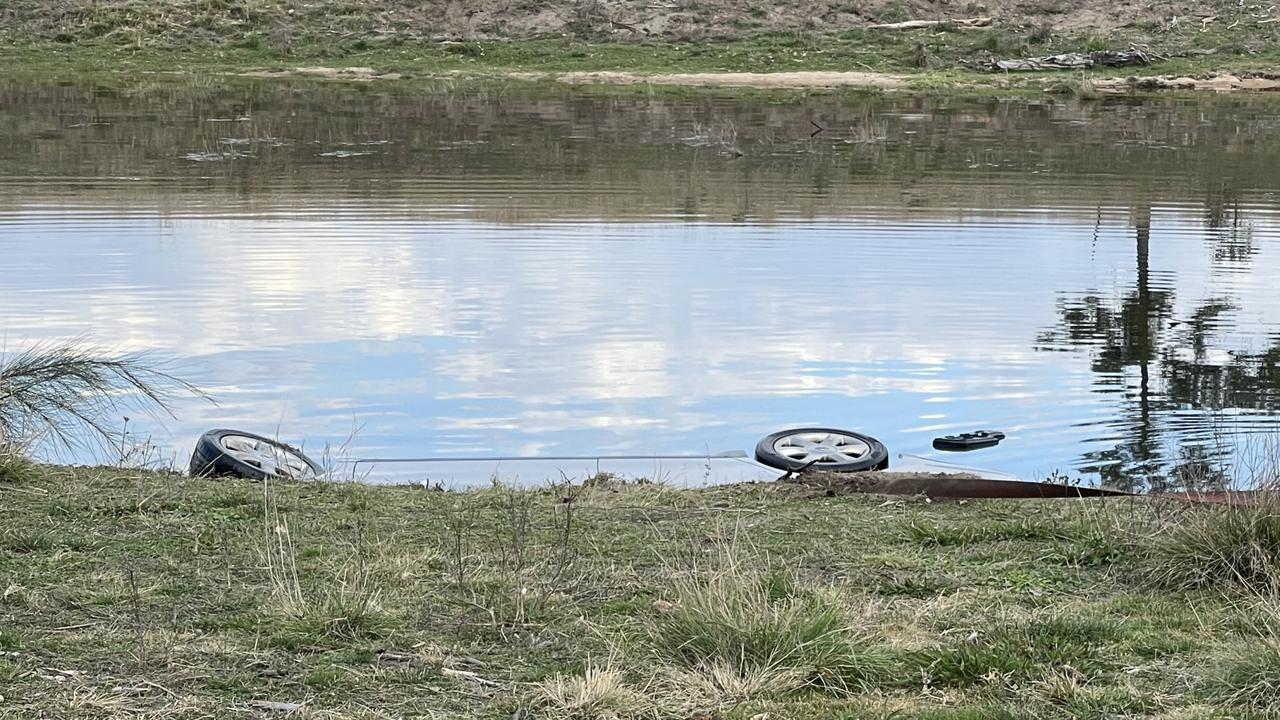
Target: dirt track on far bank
805, 79
1221, 82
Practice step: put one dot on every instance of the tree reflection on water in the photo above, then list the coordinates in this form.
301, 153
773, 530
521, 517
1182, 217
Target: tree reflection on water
1176, 427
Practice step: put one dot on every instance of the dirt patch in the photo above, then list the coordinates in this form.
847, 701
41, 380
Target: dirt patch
883, 81
1223, 82
779, 80
348, 73
801, 80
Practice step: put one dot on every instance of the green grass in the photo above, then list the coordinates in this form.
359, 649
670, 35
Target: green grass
1248, 675
607, 601
1020, 651
1001, 529
953, 54
763, 53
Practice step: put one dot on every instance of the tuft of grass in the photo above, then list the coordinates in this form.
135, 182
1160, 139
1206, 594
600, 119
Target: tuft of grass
984, 712
597, 694
324, 678
1247, 675
67, 392
16, 469
1085, 701
744, 637
344, 609
915, 586
337, 616
10, 640
1209, 546
26, 540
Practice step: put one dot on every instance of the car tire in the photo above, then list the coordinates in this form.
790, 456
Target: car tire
235, 453
827, 449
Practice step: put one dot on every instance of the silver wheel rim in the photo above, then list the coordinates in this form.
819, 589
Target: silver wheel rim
821, 448
268, 457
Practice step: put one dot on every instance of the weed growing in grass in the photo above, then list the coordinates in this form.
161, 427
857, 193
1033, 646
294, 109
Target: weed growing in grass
10, 640
9, 671
324, 678
529, 560
22, 541
343, 609
342, 614
982, 712
915, 585
348, 607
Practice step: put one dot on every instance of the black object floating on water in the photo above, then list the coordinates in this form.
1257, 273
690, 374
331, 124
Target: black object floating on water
968, 441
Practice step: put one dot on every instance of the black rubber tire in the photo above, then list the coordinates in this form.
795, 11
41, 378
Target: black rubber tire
876, 459
210, 459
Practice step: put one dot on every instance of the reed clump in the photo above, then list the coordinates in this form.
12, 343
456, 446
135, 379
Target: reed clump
71, 394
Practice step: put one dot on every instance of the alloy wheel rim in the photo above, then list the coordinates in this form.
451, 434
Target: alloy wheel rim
268, 457
821, 448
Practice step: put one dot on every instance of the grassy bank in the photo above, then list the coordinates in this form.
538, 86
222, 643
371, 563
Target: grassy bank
156, 38
133, 594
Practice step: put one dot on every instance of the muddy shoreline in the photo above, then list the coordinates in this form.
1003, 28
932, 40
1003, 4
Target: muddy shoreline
825, 80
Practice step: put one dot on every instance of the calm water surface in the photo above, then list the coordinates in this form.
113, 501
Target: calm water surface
469, 272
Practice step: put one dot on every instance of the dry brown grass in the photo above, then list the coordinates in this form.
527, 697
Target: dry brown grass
599, 693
